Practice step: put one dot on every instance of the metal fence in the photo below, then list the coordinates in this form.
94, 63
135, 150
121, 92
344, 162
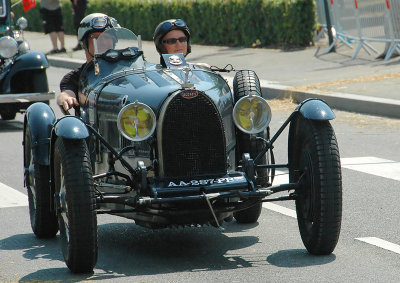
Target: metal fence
362, 21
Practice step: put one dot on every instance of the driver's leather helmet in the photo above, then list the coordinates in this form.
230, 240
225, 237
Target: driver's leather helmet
165, 27
96, 22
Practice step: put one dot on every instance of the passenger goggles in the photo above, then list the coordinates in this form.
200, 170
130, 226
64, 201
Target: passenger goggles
168, 25
174, 40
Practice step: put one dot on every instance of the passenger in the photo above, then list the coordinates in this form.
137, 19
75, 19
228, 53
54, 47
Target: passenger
173, 36
90, 27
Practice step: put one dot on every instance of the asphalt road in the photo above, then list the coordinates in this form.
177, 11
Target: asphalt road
268, 251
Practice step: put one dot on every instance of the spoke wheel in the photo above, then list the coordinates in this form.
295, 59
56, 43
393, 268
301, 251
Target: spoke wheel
76, 204
43, 218
316, 163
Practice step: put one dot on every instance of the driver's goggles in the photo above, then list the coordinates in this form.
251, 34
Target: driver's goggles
98, 23
168, 25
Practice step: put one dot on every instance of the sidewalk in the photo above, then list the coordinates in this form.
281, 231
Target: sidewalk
363, 85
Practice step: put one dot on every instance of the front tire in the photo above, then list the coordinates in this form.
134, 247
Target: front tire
37, 179
76, 204
315, 161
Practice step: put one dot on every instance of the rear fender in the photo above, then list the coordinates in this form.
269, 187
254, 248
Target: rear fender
315, 109
40, 119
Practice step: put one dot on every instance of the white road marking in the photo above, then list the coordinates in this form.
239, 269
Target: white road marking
281, 177
369, 164
11, 198
374, 166
381, 243
280, 209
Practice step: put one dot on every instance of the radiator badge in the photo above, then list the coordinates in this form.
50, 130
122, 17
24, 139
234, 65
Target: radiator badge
206, 182
189, 94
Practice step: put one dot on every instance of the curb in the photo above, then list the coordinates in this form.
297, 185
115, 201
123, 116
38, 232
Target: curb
384, 107
362, 104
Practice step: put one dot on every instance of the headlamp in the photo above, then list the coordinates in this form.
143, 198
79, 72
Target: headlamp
22, 23
136, 121
251, 114
8, 47
23, 46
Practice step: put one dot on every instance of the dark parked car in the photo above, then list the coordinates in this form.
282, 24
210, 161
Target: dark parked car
23, 78
172, 144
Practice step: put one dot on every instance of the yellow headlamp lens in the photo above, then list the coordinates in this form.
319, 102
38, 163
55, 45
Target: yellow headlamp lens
136, 121
252, 114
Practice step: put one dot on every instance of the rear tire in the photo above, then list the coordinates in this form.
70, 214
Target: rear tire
249, 215
37, 179
76, 204
315, 161
246, 83
8, 115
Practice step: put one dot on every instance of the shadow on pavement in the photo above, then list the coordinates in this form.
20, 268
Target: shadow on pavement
298, 258
126, 249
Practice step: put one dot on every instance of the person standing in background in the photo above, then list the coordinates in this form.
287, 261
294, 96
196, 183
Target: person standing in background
78, 10
53, 23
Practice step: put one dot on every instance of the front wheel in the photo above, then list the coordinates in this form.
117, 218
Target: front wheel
315, 164
76, 203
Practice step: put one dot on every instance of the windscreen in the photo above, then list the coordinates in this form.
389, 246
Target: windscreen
115, 39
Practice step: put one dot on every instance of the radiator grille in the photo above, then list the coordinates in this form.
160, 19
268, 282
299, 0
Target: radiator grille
193, 140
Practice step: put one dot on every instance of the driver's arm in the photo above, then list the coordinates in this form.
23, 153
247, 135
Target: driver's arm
67, 98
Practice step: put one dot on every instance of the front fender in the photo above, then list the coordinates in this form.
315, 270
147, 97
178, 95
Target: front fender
32, 60
315, 109
40, 119
71, 127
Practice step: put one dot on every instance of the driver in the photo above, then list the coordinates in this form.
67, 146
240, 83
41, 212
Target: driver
173, 36
90, 27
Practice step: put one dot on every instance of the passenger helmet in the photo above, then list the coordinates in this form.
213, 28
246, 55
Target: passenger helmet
165, 27
96, 22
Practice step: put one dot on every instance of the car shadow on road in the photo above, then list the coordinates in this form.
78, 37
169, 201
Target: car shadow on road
126, 249
137, 251
11, 126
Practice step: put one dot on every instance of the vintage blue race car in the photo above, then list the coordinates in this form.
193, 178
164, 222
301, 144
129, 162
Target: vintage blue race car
172, 144
23, 79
